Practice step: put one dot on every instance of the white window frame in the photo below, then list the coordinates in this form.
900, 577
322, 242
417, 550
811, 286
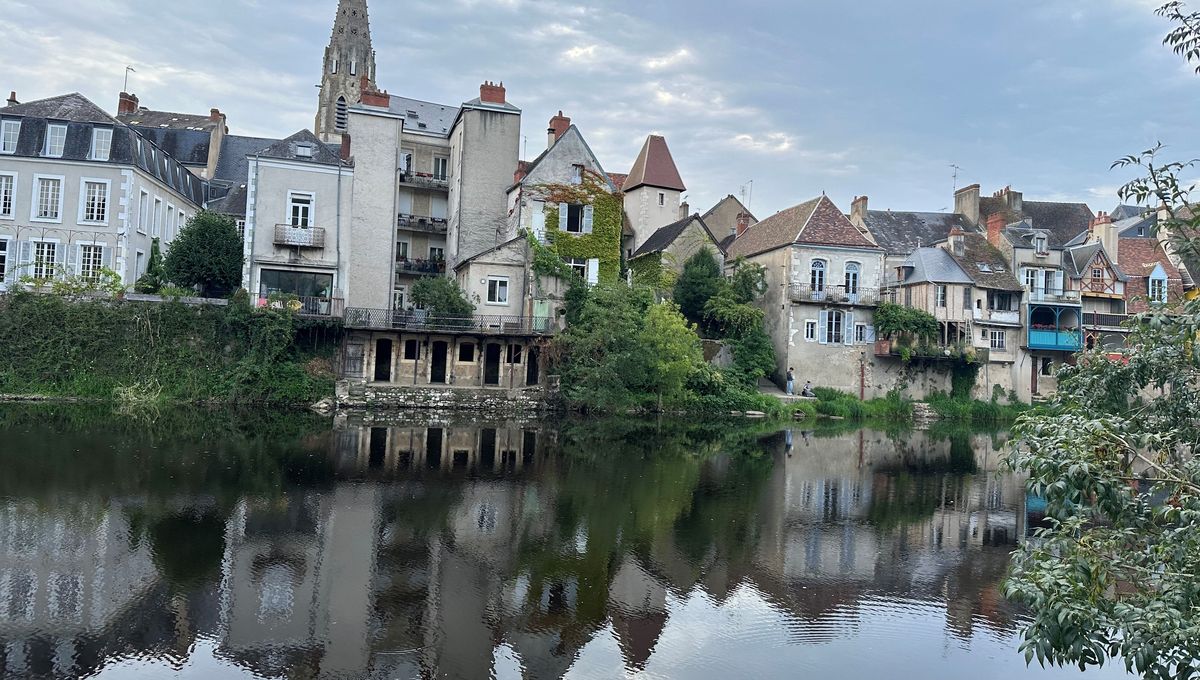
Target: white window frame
83, 198
492, 279
840, 326
579, 264
33, 208
860, 333
98, 134
172, 225
12, 197
998, 340
33, 263
445, 161
939, 295
1097, 273
1156, 296
50, 130
9, 129
1041, 245
156, 216
139, 259
810, 330
9, 257
441, 256
143, 217
80, 245
852, 277
401, 290
292, 204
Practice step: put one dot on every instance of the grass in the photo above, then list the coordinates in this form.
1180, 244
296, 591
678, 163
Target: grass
836, 404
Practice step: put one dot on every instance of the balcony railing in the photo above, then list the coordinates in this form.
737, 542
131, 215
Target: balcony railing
1054, 295
997, 315
1067, 341
419, 321
426, 267
835, 295
425, 179
1104, 287
301, 237
1107, 320
433, 225
327, 307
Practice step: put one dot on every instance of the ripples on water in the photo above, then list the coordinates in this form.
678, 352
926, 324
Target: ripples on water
240, 545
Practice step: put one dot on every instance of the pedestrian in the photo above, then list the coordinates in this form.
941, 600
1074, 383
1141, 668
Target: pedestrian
791, 382
807, 391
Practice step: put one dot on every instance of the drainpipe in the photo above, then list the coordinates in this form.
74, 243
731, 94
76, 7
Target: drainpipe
338, 235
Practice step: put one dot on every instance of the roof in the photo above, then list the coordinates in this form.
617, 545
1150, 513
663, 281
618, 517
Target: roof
422, 116
476, 256
934, 265
231, 167
1061, 221
288, 149
1137, 227
72, 108
1139, 256
1079, 257
190, 147
985, 264
817, 222
617, 179
730, 197
572, 131
655, 167
903, 232
663, 237
232, 203
168, 120
1122, 212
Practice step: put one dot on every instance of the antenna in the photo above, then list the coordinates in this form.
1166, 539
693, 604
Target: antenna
748, 193
128, 69
956, 169
525, 147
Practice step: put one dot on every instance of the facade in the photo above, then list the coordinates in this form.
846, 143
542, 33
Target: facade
653, 193
1091, 264
661, 257
79, 190
728, 219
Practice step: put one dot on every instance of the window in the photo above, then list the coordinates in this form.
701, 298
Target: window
143, 212
304, 151
497, 290
9, 131
852, 271
1049, 282
999, 340
441, 166
999, 301
398, 295
810, 330
833, 327
8, 186
860, 332
412, 350
333, 64
575, 219
45, 255
353, 62
1097, 273
95, 202
466, 351
241, 227
101, 143
1158, 290
139, 264
3, 258
817, 276
172, 225
91, 259
300, 208
967, 298
56, 139
1039, 245
340, 115
576, 174
1047, 366
941, 296
437, 254
514, 354
156, 225
48, 203
401, 251
662, 198
578, 264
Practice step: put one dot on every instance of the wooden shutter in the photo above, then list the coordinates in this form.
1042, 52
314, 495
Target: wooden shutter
562, 216
593, 271
870, 334
72, 259
848, 328
24, 257
1058, 281
588, 214
823, 327
539, 220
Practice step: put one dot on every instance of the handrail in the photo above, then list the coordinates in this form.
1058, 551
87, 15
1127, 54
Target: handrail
834, 294
304, 237
419, 320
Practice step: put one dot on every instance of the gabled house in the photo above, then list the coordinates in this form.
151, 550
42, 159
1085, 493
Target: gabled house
902, 232
1091, 268
668, 248
823, 277
930, 280
1152, 278
728, 219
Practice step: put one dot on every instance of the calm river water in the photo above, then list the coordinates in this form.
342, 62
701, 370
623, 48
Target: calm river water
212, 545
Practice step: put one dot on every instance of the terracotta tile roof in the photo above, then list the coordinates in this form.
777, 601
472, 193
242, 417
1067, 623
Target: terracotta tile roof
817, 222
617, 179
654, 167
1140, 255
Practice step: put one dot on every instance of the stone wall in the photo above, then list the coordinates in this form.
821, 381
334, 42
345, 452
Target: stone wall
495, 402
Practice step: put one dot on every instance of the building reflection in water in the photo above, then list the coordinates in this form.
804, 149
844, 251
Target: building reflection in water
441, 550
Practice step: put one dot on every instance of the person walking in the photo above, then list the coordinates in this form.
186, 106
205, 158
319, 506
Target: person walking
791, 382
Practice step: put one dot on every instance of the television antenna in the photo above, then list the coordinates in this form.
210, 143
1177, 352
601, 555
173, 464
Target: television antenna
748, 193
956, 169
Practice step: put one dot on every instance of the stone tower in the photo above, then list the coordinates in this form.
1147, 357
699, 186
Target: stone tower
349, 60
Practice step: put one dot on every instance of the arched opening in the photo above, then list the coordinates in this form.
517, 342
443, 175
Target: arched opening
817, 276
340, 115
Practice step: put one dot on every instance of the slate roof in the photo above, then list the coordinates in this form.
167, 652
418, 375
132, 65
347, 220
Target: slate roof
663, 237
287, 149
900, 233
1078, 258
72, 108
1061, 221
933, 265
655, 167
190, 147
1140, 255
817, 221
168, 120
1123, 212
1137, 227
985, 264
232, 203
422, 116
232, 166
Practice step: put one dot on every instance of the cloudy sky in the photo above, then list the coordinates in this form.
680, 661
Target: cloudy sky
798, 97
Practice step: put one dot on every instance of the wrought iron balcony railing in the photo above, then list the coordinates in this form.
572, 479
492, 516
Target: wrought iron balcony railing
836, 295
419, 321
301, 237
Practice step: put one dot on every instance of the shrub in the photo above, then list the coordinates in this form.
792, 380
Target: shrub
441, 296
207, 254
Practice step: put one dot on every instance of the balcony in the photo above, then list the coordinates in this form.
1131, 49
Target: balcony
432, 225
420, 267
834, 295
998, 316
1065, 341
1097, 319
300, 237
425, 180
317, 307
1069, 297
1102, 287
420, 322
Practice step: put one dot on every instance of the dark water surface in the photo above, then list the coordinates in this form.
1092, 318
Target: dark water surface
211, 545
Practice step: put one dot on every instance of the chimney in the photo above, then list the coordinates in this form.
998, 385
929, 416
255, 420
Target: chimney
957, 246
12, 98
214, 115
1012, 199
1104, 231
126, 103
858, 210
491, 93
558, 126
372, 96
995, 225
344, 153
684, 210
743, 223
966, 203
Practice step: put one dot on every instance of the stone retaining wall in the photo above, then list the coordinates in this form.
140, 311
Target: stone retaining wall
496, 401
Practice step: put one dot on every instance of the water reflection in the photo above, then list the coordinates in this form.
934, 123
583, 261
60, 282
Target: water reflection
231, 544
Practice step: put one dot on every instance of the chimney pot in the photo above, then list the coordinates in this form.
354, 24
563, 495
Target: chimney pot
214, 114
558, 126
491, 93
12, 98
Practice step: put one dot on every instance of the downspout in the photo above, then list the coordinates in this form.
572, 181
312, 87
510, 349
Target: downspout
338, 235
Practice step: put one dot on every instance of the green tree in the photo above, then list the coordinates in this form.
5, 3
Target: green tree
207, 254
748, 281
699, 281
155, 277
441, 297
674, 349
1116, 571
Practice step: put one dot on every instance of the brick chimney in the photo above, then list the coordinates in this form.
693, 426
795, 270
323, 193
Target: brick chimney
126, 103
966, 203
558, 126
12, 98
995, 226
858, 210
344, 152
684, 210
371, 96
214, 115
743, 223
491, 93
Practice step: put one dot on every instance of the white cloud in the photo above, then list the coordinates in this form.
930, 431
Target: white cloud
769, 142
679, 56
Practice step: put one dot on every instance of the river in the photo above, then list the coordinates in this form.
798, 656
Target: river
200, 544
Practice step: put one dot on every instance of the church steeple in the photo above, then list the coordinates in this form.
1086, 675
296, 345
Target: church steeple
348, 59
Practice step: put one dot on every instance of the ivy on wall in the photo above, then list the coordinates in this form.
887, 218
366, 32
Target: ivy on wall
608, 216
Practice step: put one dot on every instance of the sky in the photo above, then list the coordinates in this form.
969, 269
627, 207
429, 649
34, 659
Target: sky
779, 101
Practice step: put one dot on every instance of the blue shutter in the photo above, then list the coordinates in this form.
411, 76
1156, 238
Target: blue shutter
72, 259
588, 213
822, 327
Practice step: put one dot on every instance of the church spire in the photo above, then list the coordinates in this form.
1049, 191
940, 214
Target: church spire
349, 59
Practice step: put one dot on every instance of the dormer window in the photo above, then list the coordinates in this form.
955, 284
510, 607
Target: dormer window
101, 143
304, 151
1040, 246
56, 140
9, 131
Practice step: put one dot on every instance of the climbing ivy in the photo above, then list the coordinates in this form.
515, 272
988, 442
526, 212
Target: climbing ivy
604, 243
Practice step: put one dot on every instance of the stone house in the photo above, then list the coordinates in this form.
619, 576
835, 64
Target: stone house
80, 190
728, 219
1091, 265
653, 193
660, 259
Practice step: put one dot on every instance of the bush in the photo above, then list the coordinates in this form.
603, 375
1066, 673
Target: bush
207, 254
697, 284
441, 296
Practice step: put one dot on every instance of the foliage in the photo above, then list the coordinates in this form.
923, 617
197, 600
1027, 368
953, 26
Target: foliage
207, 254
675, 349
961, 409
893, 319
105, 283
700, 281
155, 276
748, 281
441, 296
608, 215
753, 358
